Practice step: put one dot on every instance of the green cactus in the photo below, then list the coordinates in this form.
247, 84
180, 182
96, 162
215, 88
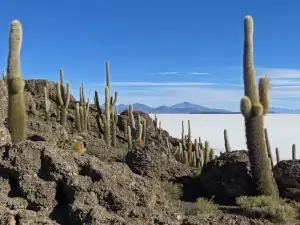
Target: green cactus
114, 128
144, 122
125, 128
16, 102
104, 119
294, 152
63, 99
226, 140
277, 155
206, 152
82, 112
129, 138
270, 155
254, 105
47, 104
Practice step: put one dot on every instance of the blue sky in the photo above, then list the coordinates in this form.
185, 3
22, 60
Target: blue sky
160, 52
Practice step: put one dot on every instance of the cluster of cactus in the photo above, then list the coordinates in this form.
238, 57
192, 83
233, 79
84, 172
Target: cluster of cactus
157, 125
136, 133
104, 118
82, 113
254, 105
195, 154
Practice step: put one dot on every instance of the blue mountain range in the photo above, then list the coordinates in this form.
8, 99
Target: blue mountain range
189, 108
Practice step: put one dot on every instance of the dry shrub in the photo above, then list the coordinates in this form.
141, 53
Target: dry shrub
203, 207
273, 208
172, 189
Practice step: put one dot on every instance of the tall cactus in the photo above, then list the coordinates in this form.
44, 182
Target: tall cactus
16, 101
82, 112
63, 99
47, 103
104, 119
254, 105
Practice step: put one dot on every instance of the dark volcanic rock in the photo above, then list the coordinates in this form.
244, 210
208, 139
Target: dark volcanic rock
153, 161
227, 177
287, 176
42, 184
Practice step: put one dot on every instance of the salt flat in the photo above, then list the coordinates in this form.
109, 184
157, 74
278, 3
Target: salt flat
283, 129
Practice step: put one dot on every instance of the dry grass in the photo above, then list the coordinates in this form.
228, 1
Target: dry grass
268, 207
203, 207
173, 190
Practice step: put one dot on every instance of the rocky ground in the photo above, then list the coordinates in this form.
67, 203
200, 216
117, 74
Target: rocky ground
44, 180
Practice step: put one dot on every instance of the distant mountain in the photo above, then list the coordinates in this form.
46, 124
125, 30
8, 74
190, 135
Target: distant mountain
189, 108
181, 108
284, 111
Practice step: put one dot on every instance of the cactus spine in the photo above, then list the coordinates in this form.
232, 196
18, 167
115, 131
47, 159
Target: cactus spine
63, 99
16, 101
254, 106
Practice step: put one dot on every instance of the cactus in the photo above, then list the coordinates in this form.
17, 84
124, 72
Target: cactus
47, 104
294, 152
254, 105
4, 76
277, 155
144, 122
125, 128
104, 119
226, 140
129, 138
206, 152
114, 128
82, 112
183, 136
270, 155
16, 101
63, 99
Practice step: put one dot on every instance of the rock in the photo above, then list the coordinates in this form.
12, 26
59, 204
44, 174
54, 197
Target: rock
36, 88
153, 161
227, 177
287, 176
43, 184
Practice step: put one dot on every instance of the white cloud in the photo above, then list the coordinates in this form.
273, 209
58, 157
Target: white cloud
198, 73
166, 73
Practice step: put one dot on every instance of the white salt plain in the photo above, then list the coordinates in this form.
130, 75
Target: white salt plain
283, 130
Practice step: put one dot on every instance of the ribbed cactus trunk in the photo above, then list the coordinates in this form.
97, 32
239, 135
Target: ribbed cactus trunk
254, 105
15, 82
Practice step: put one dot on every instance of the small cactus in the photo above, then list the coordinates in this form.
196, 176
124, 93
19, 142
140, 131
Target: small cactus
294, 152
47, 104
226, 140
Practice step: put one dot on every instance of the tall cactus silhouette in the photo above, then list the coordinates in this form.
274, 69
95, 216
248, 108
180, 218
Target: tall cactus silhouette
254, 105
16, 101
